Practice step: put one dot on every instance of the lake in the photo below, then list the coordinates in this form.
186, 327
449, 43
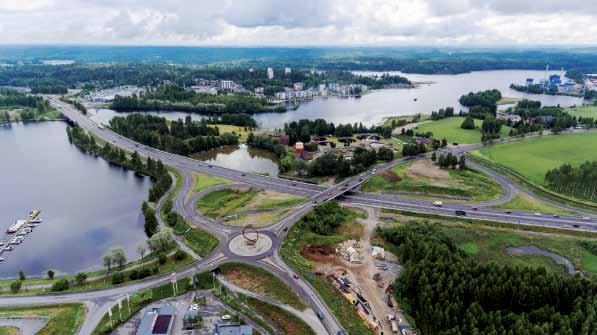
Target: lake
88, 205
442, 91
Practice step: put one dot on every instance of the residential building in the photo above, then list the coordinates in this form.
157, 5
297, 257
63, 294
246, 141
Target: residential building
270, 73
259, 90
233, 329
226, 84
287, 70
281, 138
530, 81
297, 86
204, 89
156, 321
299, 147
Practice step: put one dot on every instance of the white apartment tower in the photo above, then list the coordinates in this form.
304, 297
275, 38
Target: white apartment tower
270, 73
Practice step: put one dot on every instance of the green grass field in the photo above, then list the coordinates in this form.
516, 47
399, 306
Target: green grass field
534, 157
289, 323
466, 183
449, 128
261, 282
522, 202
227, 201
65, 319
9, 330
202, 181
585, 111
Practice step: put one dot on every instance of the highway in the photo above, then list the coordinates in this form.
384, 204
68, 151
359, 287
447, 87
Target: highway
346, 191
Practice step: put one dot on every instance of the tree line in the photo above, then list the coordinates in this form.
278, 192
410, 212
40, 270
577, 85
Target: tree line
449, 293
179, 137
579, 181
175, 97
303, 129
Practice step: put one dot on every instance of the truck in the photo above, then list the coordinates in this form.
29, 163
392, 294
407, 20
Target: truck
438, 203
394, 326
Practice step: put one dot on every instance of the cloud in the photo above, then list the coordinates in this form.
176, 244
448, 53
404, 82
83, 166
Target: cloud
302, 22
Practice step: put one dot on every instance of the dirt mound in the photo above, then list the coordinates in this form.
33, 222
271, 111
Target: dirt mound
390, 176
426, 168
318, 253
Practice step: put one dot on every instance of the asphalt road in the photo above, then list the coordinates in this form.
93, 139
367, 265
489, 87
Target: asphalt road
99, 300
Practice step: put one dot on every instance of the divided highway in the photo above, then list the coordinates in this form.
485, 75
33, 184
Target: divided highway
345, 191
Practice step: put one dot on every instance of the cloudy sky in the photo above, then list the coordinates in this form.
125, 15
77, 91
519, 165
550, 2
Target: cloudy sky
300, 22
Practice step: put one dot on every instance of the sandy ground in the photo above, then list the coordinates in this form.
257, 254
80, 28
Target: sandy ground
427, 169
361, 274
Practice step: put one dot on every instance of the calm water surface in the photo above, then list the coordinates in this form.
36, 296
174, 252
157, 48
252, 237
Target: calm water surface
442, 91
88, 205
242, 158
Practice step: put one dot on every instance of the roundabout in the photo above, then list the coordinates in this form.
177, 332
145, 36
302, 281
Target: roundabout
250, 243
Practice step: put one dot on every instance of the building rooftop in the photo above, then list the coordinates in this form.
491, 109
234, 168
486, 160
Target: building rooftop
233, 329
157, 321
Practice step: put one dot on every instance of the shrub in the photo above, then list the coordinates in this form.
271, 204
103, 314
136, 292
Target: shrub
180, 255
61, 285
117, 278
15, 286
162, 259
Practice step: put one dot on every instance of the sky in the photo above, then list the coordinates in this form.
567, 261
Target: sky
300, 22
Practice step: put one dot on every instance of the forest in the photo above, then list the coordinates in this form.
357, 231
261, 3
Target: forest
449, 293
174, 97
302, 130
487, 99
178, 137
580, 181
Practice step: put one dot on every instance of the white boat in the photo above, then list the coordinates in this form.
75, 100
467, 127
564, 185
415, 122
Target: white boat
17, 240
8, 248
38, 220
2, 259
15, 227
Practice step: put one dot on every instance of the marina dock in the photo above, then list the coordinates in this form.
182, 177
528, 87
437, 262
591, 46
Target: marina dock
17, 232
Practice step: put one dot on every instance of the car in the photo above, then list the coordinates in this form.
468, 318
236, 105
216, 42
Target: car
586, 218
575, 226
460, 213
438, 203
360, 179
285, 229
330, 193
508, 212
199, 164
210, 166
475, 208
243, 174
320, 315
194, 307
537, 214
556, 216
226, 317
293, 184
295, 276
